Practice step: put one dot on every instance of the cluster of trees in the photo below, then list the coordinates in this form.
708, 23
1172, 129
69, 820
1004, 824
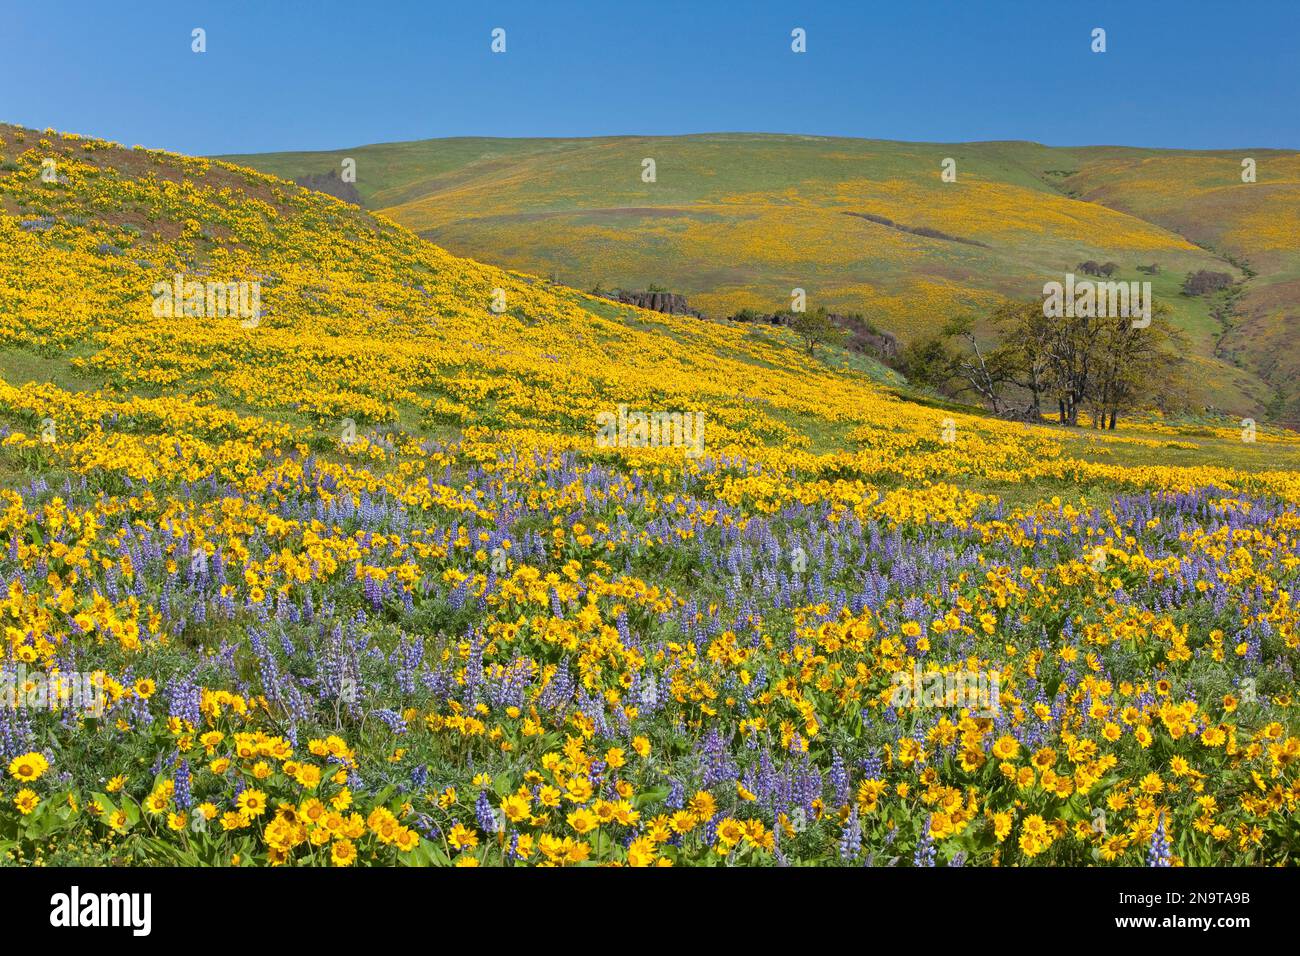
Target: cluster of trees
1091, 268
1068, 364
1205, 282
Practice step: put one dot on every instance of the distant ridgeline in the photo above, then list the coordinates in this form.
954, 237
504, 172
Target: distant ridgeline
331, 184
862, 335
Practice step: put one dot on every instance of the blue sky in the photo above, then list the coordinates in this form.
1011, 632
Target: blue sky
284, 74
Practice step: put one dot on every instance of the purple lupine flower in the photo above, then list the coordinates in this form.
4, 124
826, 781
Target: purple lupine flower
184, 799
1159, 852
851, 838
483, 812
925, 850
839, 779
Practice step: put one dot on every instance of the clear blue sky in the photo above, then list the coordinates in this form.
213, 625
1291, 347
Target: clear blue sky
285, 74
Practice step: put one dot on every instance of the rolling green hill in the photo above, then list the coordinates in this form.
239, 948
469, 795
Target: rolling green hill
346, 521
739, 220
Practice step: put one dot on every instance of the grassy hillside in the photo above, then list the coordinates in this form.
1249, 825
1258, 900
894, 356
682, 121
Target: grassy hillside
467, 632
739, 220
364, 321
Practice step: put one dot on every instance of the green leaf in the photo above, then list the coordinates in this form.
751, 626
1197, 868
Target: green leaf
103, 800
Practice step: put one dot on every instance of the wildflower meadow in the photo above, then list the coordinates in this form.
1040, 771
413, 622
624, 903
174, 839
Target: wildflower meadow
370, 581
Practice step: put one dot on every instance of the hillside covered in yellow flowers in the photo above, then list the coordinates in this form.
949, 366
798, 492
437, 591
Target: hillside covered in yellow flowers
365, 322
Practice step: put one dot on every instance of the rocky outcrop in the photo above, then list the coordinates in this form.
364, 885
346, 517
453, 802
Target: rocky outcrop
883, 344
768, 318
862, 336
331, 184
669, 302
